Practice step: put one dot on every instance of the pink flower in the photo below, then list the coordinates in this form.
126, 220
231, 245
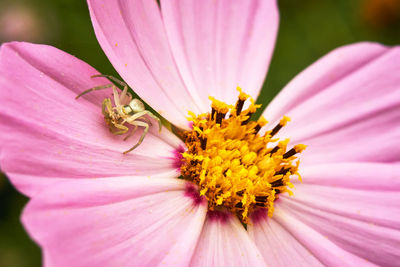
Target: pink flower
93, 206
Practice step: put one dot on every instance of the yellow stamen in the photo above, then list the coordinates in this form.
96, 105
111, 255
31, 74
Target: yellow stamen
284, 120
234, 166
299, 148
242, 96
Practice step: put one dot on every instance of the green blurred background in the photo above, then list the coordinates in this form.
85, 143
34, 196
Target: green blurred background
308, 30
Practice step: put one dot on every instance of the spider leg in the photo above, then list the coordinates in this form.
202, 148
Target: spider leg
122, 129
142, 113
106, 107
146, 129
94, 89
116, 97
132, 118
145, 120
156, 118
125, 94
125, 97
111, 78
131, 133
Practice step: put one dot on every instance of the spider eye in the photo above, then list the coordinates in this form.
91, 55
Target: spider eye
136, 105
127, 109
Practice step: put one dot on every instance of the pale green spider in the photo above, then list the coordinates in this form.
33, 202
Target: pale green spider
126, 110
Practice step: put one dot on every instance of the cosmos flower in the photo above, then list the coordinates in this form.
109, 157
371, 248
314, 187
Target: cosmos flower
92, 205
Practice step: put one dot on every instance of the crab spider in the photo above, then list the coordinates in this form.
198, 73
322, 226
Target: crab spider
126, 111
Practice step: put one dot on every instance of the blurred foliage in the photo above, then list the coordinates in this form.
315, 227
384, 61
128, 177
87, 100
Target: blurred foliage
16, 249
311, 28
308, 30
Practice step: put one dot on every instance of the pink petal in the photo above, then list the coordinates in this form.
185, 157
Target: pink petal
322, 74
46, 134
367, 205
131, 221
278, 246
219, 45
355, 175
225, 242
312, 245
132, 35
350, 108
355, 205
352, 224
47, 261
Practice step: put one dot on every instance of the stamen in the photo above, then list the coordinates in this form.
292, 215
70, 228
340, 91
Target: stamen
274, 150
239, 106
203, 142
220, 116
257, 129
281, 145
249, 117
277, 183
212, 113
293, 151
240, 193
219, 106
281, 124
282, 171
239, 205
242, 98
290, 153
261, 123
261, 198
230, 163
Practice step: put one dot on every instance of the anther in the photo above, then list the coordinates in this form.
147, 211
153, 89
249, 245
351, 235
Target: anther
296, 149
248, 119
239, 205
275, 149
239, 106
283, 171
220, 116
290, 153
276, 130
260, 123
282, 123
203, 143
212, 113
240, 193
277, 183
261, 198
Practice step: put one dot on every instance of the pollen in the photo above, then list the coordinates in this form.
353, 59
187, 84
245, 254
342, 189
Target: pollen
234, 166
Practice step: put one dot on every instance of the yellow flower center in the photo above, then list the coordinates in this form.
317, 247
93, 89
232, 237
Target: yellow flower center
234, 166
